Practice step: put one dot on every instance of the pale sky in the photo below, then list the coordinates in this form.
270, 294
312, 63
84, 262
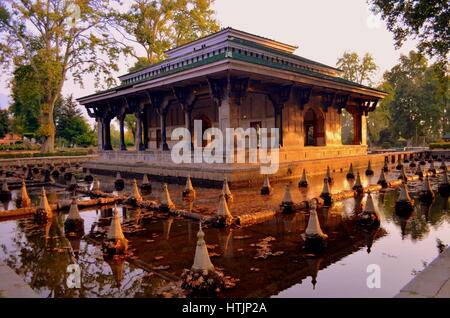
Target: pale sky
322, 29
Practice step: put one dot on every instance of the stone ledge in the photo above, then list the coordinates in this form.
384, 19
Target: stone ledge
433, 281
12, 285
239, 175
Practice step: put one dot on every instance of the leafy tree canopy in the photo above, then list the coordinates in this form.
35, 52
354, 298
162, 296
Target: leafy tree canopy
70, 124
4, 122
27, 96
357, 69
426, 20
158, 25
418, 100
56, 38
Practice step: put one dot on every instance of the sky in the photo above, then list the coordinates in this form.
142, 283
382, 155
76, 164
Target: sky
322, 29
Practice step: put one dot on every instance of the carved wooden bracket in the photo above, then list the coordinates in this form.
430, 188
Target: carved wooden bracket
304, 93
186, 97
93, 112
217, 90
364, 106
134, 105
327, 100
341, 102
279, 96
238, 88
372, 107
158, 102
119, 108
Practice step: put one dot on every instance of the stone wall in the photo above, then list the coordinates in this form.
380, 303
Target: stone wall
211, 175
47, 160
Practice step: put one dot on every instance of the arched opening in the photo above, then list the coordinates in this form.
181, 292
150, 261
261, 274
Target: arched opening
314, 128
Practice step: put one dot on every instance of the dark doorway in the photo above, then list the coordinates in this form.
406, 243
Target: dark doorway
314, 125
158, 138
206, 124
309, 135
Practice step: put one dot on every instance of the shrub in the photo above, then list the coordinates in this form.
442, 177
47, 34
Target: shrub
18, 146
440, 145
386, 145
29, 135
43, 154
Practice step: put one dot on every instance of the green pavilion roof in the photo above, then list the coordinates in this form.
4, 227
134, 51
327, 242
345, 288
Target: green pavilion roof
232, 53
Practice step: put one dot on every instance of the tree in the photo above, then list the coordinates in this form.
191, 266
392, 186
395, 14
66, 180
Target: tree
70, 124
4, 122
130, 124
360, 70
27, 96
418, 101
158, 25
357, 69
427, 20
378, 121
56, 38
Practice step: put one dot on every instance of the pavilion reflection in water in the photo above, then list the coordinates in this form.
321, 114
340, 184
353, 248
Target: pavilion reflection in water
41, 254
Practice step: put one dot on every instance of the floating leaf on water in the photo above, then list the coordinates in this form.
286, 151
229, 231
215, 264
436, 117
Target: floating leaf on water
241, 237
161, 267
212, 254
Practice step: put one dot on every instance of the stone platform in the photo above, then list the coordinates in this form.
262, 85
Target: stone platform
161, 168
433, 281
47, 160
13, 286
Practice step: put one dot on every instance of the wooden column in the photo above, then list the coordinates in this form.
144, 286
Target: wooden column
340, 104
100, 136
135, 105
107, 133
145, 128
278, 114
357, 127
279, 96
120, 109
123, 146
163, 117
186, 98
138, 142
161, 105
219, 94
94, 112
360, 120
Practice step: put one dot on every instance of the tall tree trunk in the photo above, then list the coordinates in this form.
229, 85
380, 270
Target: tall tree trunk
49, 144
48, 125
